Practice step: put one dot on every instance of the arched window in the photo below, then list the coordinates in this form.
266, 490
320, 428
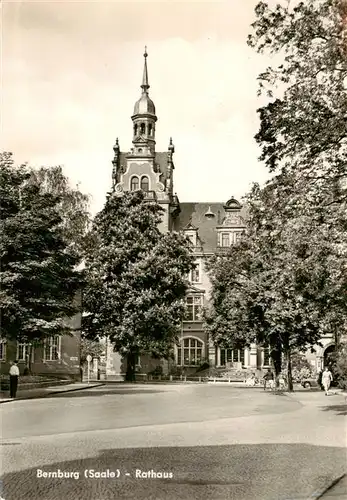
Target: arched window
144, 183
150, 129
135, 130
134, 183
190, 352
143, 128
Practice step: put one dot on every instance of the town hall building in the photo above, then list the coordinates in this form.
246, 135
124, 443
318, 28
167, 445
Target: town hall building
212, 227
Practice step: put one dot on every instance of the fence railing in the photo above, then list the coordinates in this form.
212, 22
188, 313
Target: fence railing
144, 377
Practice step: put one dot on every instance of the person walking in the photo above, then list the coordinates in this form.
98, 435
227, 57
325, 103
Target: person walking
327, 378
268, 377
14, 374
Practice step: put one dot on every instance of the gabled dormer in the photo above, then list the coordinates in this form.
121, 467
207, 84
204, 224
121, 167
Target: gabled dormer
192, 233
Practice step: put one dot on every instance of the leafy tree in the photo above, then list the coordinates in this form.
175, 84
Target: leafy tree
73, 205
92, 347
338, 364
297, 227
232, 316
38, 268
285, 284
136, 279
304, 126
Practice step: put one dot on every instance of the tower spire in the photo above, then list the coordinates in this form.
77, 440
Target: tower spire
145, 85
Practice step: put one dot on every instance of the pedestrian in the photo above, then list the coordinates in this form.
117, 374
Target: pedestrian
268, 377
327, 378
250, 382
14, 374
281, 382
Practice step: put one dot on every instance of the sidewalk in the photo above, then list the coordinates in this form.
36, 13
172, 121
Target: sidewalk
48, 391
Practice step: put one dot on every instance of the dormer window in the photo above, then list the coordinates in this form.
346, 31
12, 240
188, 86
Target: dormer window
145, 183
225, 240
134, 183
192, 236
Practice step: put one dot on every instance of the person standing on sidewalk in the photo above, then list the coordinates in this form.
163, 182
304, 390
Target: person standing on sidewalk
268, 377
327, 378
14, 374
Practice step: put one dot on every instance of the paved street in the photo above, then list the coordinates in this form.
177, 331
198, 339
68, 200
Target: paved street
217, 442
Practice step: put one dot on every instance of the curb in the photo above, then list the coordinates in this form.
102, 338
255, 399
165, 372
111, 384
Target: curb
23, 398
322, 492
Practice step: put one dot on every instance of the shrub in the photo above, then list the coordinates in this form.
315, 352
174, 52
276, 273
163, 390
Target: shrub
301, 374
338, 365
203, 366
158, 370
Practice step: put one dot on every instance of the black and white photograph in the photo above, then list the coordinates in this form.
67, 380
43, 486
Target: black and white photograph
173, 250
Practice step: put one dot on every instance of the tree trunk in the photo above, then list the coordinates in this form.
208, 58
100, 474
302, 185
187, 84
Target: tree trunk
276, 357
289, 371
336, 338
131, 364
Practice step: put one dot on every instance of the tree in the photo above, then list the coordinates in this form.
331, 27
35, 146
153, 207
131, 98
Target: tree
232, 316
73, 205
285, 284
299, 219
136, 279
92, 347
304, 126
338, 365
38, 268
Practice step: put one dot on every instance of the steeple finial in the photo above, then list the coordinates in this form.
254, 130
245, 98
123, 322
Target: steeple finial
145, 85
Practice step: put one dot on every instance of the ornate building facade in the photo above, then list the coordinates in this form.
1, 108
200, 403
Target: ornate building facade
212, 227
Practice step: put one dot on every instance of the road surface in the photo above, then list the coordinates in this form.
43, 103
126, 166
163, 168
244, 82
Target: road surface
164, 442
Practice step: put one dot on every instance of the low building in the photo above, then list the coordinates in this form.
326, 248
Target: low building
58, 356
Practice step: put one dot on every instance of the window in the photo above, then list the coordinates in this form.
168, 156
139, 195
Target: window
150, 129
135, 130
225, 240
192, 237
232, 356
145, 183
52, 349
143, 128
22, 351
190, 352
134, 183
2, 349
194, 308
194, 276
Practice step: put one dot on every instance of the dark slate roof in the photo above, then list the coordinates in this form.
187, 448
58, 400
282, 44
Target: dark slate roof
160, 162
194, 213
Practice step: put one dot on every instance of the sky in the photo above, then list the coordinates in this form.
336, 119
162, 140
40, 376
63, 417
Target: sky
71, 73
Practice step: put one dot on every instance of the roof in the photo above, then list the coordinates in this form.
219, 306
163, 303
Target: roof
194, 213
